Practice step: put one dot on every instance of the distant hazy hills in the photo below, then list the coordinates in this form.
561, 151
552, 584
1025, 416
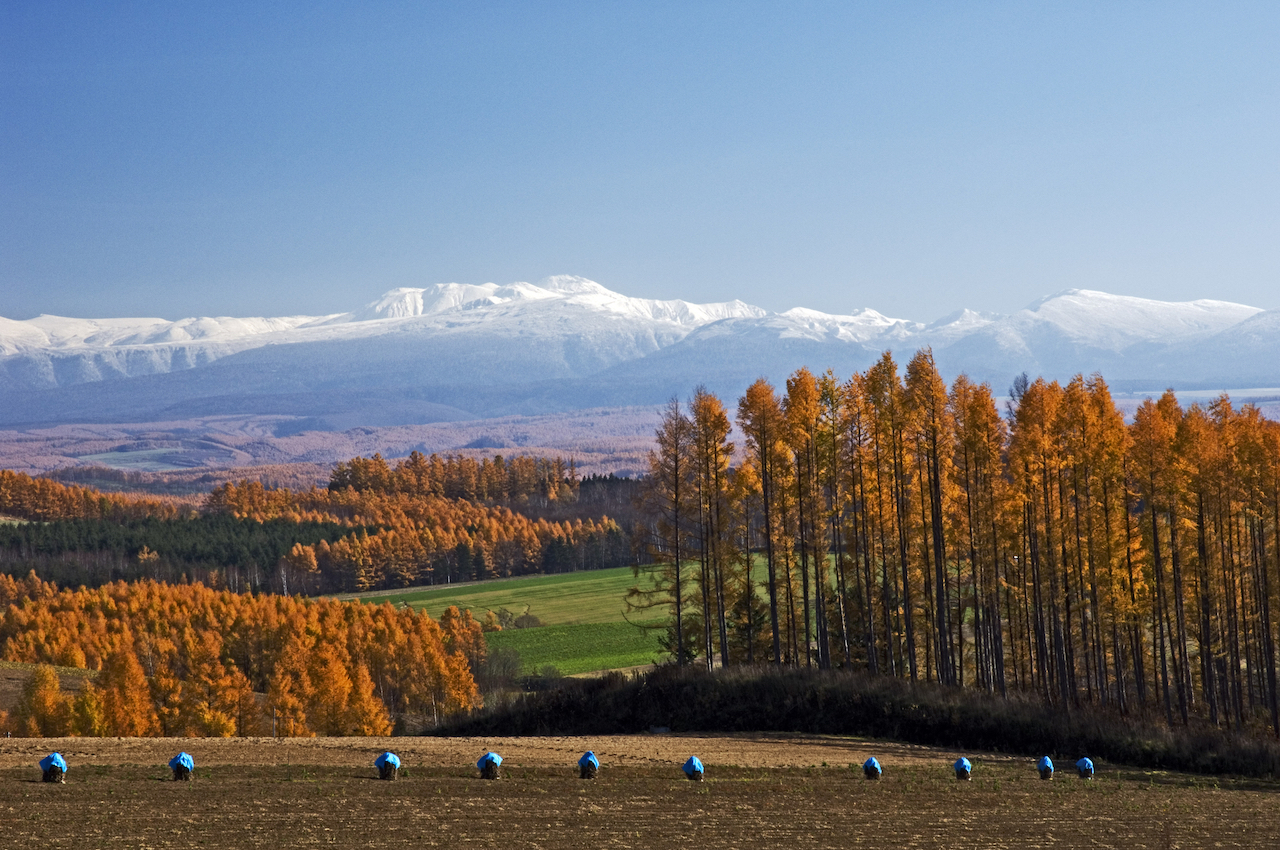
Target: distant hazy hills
458, 351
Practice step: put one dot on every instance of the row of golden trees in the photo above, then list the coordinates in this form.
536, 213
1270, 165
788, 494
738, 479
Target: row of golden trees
25, 497
894, 523
406, 537
187, 660
518, 479
420, 521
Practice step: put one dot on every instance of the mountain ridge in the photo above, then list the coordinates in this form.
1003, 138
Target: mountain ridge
567, 343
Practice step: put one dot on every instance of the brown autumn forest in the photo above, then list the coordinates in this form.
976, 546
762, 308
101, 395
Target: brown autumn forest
894, 524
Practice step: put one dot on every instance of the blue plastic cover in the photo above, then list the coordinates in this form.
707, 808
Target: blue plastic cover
182, 759
871, 764
692, 766
489, 758
1085, 764
1045, 762
589, 758
53, 760
386, 758
964, 764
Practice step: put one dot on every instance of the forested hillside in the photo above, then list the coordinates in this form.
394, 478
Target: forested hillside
423, 520
187, 660
895, 524
171, 612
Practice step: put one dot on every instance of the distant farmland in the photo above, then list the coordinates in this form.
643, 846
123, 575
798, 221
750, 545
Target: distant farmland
583, 614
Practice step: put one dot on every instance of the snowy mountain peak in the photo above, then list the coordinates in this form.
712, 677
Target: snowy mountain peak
865, 316
61, 332
409, 302
566, 328
571, 284
965, 319
1114, 321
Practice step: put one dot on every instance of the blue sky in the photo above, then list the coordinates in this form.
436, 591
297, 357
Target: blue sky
176, 159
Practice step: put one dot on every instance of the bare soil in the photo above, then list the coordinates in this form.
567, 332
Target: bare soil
760, 791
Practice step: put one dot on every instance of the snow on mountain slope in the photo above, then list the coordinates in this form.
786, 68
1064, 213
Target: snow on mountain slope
567, 341
465, 300
59, 332
1246, 352
860, 327
568, 289
596, 325
407, 303
1115, 322
1081, 330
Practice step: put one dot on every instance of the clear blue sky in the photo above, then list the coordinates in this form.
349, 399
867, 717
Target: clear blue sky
228, 158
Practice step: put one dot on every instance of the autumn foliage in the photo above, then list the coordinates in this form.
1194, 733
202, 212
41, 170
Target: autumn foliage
186, 660
421, 521
892, 523
424, 520
40, 499
516, 480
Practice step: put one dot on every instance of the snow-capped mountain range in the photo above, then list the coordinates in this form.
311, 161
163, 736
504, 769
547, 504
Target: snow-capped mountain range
467, 351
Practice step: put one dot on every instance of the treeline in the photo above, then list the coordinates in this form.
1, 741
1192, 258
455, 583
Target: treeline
215, 549
782, 699
517, 480
187, 660
907, 528
597, 495
406, 538
540, 488
375, 526
39, 499
183, 482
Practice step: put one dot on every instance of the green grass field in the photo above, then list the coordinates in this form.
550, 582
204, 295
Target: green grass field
584, 629
565, 599
584, 648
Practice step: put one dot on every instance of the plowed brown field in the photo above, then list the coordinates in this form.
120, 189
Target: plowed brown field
760, 792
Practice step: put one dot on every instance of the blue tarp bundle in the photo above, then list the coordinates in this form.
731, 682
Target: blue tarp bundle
692, 766
387, 758
589, 758
963, 765
1085, 765
54, 760
1045, 763
184, 760
871, 765
489, 758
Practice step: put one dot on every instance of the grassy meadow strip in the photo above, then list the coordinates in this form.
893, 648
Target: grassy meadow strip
583, 648
593, 596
